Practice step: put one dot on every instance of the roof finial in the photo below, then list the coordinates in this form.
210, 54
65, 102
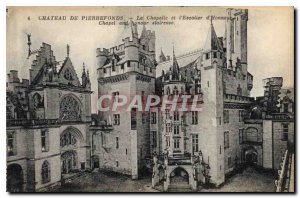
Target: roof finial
68, 50
211, 18
173, 50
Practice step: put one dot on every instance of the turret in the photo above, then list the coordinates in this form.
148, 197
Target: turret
102, 55
212, 89
236, 37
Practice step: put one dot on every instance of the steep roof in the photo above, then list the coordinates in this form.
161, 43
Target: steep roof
182, 60
212, 42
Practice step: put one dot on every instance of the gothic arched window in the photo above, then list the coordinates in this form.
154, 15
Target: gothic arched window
70, 109
68, 138
37, 101
46, 172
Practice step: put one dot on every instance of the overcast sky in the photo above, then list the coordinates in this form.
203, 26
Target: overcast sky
270, 37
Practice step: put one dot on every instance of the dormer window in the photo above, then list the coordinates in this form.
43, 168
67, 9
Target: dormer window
104, 70
122, 66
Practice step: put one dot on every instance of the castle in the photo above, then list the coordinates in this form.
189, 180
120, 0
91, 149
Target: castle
51, 115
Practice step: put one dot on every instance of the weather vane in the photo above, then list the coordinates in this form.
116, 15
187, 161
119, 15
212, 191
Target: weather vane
29, 44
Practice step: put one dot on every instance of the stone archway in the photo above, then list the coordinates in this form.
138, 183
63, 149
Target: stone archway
179, 178
14, 178
71, 143
250, 155
95, 161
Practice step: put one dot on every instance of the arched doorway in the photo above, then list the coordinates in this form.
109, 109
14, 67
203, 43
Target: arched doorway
95, 160
250, 155
179, 177
69, 162
14, 178
71, 140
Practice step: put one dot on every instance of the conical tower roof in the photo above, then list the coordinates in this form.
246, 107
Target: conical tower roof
212, 41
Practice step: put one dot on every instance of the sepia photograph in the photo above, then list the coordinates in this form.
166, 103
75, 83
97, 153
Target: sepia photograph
150, 99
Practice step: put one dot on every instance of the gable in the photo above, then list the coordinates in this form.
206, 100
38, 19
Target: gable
67, 74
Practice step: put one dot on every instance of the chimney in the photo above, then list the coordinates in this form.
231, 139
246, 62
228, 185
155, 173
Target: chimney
14, 76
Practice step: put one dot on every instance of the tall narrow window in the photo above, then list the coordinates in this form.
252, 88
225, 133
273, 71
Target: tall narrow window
117, 142
176, 144
239, 90
285, 132
113, 65
176, 130
115, 95
207, 56
175, 91
103, 139
285, 107
215, 54
116, 119
153, 139
167, 112
133, 119
229, 162
45, 140
46, 172
11, 144
241, 115
176, 116
194, 117
168, 91
195, 143
153, 117
241, 135
226, 139
226, 116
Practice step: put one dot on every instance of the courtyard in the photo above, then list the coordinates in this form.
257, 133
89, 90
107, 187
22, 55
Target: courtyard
249, 180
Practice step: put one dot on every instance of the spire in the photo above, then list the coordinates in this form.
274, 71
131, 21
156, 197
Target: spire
83, 71
212, 41
175, 67
88, 77
68, 50
162, 57
83, 76
144, 32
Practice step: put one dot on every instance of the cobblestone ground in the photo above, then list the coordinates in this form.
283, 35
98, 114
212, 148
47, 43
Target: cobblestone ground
106, 182
249, 180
